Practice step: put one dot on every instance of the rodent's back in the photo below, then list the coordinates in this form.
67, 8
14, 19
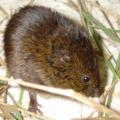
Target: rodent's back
42, 46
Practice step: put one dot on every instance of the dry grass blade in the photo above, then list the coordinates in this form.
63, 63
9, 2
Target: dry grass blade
2, 62
78, 6
33, 114
98, 118
72, 5
108, 20
23, 110
1, 31
31, 2
106, 10
67, 93
4, 11
114, 82
7, 110
3, 89
10, 110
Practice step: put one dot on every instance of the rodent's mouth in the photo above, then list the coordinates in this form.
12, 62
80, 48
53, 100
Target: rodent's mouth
93, 92
88, 91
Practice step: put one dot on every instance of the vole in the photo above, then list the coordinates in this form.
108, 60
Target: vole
44, 47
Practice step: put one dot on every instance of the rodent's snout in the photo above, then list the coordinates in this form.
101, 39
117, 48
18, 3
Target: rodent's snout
96, 92
89, 91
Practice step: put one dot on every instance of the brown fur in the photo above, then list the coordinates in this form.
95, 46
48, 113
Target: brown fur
42, 46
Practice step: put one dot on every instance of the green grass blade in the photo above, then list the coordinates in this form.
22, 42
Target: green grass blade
114, 82
18, 114
106, 30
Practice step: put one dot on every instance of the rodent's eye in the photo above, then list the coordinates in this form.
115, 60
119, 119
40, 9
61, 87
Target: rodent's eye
86, 79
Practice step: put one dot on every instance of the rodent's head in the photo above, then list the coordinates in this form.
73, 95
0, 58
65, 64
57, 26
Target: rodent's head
85, 67
75, 65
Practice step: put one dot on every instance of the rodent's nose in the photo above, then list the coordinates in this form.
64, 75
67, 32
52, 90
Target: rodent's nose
96, 92
87, 91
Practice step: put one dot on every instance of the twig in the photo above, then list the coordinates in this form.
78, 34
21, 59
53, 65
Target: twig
67, 93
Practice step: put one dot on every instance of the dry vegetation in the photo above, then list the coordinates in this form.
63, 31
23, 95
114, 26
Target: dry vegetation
18, 112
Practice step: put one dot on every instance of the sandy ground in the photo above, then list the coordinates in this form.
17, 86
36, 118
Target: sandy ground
62, 108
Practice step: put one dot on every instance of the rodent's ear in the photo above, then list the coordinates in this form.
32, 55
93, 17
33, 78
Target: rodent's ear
65, 58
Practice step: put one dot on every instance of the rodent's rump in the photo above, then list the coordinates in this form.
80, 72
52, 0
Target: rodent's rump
44, 47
